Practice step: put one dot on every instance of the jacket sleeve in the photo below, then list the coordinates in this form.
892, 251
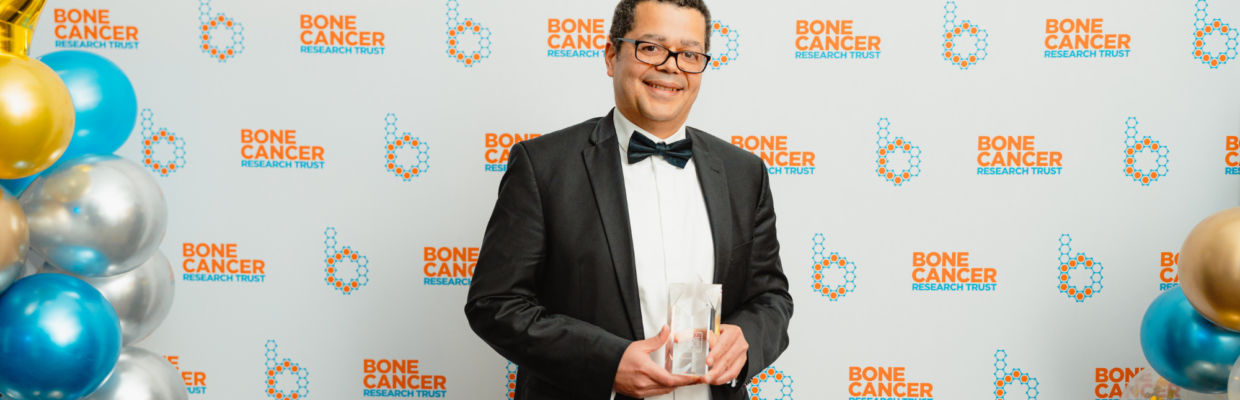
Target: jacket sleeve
764, 315
502, 306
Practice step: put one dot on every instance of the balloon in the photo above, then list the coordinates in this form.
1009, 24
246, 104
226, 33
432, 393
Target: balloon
104, 101
1233, 383
142, 375
142, 297
14, 239
36, 116
17, 186
96, 215
59, 338
1210, 268
1184, 347
1149, 385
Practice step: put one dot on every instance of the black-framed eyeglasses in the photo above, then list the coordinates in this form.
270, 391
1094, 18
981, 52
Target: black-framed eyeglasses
655, 54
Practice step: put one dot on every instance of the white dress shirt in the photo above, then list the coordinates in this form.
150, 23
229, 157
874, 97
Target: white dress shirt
672, 241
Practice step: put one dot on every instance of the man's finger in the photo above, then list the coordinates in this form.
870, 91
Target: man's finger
731, 373
721, 347
657, 342
662, 377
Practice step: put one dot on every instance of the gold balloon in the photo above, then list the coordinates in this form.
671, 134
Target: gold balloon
14, 239
36, 112
1210, 268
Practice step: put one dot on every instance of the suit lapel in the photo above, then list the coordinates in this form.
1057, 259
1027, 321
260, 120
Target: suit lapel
714, 181
603, 166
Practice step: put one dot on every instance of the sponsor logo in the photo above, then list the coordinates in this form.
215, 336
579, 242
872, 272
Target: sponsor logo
215, 42
275, 369
512, 380
722, 33
1203, 29
577, 38
1070, 265
400, 378
163, 139
775, 153
1083, 38
338, 258
896, 149
955, 34
92, 29
835, 40
1232, 158
1015, 155
1012, 380
195, 381
1169, 274
834, 263
1111, 381
337, 34
449, 266
458, 42
885, 383
951, 272
771, 384
219, 262
1135, 147
497, 147
278, 148
419, 165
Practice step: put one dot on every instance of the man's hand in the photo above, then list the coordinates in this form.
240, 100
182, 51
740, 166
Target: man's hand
728, 355
639, 377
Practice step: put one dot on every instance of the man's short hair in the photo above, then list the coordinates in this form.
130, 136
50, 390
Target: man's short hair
622, 21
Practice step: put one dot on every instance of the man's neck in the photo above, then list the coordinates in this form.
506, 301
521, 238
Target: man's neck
661, 130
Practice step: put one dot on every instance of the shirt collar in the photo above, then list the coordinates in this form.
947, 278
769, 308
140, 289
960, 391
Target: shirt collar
625, 129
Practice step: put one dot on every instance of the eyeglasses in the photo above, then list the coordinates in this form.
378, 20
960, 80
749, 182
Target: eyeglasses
655, 54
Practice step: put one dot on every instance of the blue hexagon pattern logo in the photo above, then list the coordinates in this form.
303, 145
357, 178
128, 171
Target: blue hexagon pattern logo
214, 30
731, 39
1009, 380
1079, 263
833, 263
392, 161
459, 31
888, 147
1134, 147
274, 371
778, 388
339, 257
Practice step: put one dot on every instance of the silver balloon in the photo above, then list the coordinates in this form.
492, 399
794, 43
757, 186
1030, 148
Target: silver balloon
142, 375
96, 215
34, 265
142, 297
14, 239
1233, 383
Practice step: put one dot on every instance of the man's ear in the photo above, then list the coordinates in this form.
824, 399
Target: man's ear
609, 56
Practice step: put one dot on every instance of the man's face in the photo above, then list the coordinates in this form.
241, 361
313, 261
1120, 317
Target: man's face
657, 93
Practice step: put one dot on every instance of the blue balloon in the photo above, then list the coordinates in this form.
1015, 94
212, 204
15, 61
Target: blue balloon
1186, 348
17, 186
59, 338
104, 101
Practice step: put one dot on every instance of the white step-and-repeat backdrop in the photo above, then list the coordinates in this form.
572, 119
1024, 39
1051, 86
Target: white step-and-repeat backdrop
965, 189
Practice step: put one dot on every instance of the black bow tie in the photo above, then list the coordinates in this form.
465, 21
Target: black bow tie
677, 153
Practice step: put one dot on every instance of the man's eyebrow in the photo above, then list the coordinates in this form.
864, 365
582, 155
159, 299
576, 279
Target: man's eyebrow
652, 36
690, 43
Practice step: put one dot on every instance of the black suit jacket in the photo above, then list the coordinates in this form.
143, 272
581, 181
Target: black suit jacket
555, 287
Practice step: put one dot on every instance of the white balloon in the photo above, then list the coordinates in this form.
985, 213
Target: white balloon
142, 375
96, 215
142, 297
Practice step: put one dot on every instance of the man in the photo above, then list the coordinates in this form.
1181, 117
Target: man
593, 222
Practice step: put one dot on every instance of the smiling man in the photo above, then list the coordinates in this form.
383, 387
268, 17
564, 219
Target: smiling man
594, 221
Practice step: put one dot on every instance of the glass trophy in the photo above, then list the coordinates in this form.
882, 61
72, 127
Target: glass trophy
693, 318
